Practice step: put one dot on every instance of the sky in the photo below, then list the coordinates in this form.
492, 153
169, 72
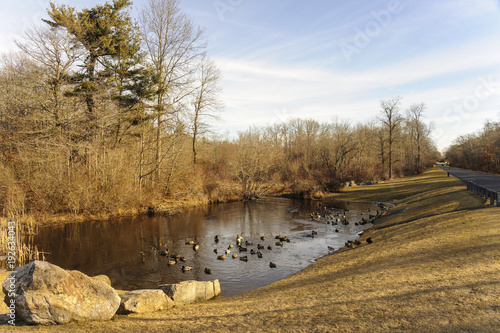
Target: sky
326, 59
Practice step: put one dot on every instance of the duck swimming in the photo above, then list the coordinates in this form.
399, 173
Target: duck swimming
272, 265
239, 240
208, 271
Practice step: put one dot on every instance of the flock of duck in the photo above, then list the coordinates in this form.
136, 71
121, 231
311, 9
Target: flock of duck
241, 246
244, 246
335, 217
327, 215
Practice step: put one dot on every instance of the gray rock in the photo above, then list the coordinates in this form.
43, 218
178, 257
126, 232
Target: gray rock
48, 294
191, 291
144, 300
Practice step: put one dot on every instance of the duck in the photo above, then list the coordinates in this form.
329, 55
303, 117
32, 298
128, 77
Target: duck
182, 259
164, 253
242, 249
239, 239
216, 251
217, 238
279, 243
350, 244
235, 256
230, 246
259, 255
186, 268
196, 247
260, 247
369, 240
262, 238
228, 251
245, 258
222, 257
247, 243
272, 265
269, 247
190, 242
336, 230
208, 271
171, 262
252, 251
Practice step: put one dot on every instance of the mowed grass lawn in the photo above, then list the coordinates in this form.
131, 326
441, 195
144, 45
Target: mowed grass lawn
433, 266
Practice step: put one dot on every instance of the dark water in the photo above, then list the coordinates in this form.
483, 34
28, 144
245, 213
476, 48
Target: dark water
127, 249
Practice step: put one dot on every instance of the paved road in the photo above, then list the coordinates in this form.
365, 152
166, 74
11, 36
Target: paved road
489, 181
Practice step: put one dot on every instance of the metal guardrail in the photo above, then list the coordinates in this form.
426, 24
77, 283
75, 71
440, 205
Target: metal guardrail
484, 192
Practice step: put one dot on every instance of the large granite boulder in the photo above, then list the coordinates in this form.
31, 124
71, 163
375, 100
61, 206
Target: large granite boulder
48, 294
145, 300
191, 291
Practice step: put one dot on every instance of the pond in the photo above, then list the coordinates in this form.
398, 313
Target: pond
128, 250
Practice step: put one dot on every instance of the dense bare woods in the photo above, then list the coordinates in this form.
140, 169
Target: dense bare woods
97, 119
479, 151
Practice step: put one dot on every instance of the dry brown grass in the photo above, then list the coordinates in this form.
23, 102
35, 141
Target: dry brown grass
433, 268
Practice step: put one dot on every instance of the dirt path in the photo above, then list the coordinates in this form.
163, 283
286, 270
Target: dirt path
433, 266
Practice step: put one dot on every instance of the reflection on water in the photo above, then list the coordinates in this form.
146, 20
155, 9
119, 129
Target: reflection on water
128, 249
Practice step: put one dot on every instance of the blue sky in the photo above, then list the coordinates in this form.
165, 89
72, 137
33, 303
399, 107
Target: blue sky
323, 59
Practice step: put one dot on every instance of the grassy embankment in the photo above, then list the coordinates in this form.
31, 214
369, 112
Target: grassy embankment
434, 266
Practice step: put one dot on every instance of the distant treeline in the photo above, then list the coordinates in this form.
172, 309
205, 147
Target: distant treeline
99, 113
479, 151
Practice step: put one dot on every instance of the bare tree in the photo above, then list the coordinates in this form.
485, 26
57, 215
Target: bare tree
56, 52
391, 119
173, 45
206, 103
415, 114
